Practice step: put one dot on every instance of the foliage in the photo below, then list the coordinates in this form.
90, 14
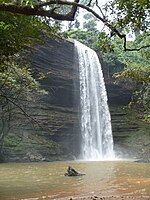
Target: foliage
15, 79
87, 38
88, 35
136, 69
104, 42
18, 31
132, 14
17, 85
136, 72
15, 32
119, 16
17, 90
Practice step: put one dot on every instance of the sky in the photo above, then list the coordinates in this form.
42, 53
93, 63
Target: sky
100, 25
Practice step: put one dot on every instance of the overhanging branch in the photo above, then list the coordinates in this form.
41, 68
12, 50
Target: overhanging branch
138, 49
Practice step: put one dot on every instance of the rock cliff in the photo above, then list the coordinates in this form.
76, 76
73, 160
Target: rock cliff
58, 111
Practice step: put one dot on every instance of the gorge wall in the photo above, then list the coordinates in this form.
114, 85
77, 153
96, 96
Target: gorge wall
58, 136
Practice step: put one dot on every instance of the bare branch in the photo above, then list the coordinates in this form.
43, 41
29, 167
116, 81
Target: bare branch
31, 119
138, 49
100, 9
89, 4
29, 11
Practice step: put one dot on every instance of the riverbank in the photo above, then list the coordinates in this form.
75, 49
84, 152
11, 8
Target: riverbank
111, 197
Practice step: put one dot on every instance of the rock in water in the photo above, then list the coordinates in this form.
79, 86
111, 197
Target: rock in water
72, 172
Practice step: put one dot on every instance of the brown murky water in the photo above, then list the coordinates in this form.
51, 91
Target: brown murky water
36, 181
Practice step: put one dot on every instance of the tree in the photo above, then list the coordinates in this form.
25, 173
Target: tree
17, 89
128, 13
17, 85
88, 35
131, 14
136, 72
134, 61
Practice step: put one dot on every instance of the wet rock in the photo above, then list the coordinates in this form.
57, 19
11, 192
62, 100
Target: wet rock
72, 172
94, 198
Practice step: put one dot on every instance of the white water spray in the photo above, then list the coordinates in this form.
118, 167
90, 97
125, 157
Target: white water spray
97, 141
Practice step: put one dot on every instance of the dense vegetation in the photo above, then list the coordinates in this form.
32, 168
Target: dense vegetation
18, 88
23, 23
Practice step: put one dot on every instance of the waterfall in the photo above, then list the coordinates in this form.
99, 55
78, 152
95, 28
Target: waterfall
97, 141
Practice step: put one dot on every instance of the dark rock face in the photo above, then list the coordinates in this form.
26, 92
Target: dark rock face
57, 60
131, 135
57, 112
117, 95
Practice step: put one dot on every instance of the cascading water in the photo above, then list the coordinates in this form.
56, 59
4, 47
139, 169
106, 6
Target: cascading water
97, 141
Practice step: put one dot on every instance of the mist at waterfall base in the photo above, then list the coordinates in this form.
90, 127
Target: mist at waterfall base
96, 131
